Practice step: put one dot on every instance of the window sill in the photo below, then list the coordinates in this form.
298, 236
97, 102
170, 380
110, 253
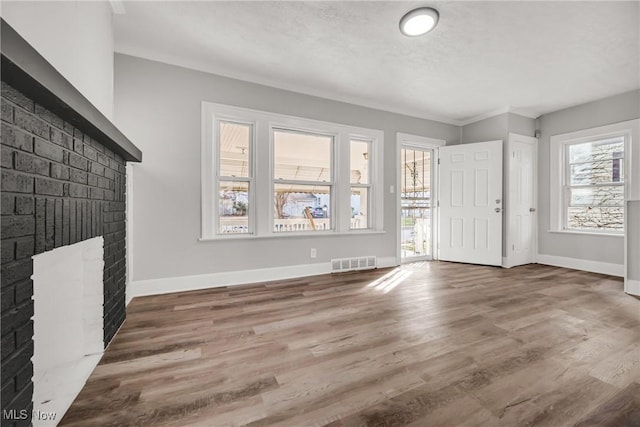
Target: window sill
585, 233
291, 235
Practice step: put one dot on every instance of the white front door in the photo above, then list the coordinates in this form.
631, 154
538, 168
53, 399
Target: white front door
521, 200
471, 203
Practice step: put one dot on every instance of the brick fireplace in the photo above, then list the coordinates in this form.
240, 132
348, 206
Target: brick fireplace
62, 182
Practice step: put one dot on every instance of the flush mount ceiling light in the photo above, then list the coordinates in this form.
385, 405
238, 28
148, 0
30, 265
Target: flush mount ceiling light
419, 21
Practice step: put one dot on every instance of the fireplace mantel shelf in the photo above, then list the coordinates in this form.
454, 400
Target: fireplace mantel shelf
27, 71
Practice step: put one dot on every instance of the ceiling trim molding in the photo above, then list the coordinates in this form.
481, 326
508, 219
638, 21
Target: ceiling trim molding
196, 66
484, 116
525, 113
497, 113
353, 100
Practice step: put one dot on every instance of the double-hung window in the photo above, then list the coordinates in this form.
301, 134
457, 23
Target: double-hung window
272, 175
303, 180
360, 152
592, 176
594, 185
234, 177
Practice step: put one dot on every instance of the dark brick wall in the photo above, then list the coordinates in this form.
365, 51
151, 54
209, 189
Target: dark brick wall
58, 187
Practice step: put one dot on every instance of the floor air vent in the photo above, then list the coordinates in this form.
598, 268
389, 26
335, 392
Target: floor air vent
351, 264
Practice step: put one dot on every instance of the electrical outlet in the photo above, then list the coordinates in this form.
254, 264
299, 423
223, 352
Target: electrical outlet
313, 253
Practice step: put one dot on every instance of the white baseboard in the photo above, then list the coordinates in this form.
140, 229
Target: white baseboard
385, 262
127, 293
632, 287
230, 278
515, 261
582, 264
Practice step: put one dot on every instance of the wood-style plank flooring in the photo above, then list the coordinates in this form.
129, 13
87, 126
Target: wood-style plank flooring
426, 344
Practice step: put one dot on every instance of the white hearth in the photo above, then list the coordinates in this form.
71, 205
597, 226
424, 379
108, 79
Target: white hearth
67, 322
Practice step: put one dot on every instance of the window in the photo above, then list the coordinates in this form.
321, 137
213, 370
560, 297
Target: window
360, 183
590, 179
594, 185
303, 181
271, 175
234, 177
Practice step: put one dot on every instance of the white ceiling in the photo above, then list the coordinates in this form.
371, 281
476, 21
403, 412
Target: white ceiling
484, 57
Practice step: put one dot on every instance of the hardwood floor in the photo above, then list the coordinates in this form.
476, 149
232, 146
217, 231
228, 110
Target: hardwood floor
427, 344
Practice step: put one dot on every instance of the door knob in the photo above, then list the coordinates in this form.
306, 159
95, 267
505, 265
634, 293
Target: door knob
532, 209
498, 209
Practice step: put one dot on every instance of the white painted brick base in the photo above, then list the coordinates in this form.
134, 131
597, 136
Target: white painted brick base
67, 322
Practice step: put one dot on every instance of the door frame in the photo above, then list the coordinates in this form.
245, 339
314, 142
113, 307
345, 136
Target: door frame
507, 261
421, 143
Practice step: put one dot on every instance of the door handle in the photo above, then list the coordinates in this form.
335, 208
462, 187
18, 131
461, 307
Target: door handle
532, 209
498, 210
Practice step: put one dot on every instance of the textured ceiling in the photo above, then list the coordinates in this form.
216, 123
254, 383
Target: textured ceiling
484, 57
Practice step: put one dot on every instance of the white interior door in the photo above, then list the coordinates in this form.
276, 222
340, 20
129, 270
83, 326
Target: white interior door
521, 200
471, 203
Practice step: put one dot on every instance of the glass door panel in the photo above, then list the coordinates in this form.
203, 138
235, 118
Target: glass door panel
415, 204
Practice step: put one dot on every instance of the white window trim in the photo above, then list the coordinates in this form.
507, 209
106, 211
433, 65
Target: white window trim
629, 129
368, 186
210, 169
262, 193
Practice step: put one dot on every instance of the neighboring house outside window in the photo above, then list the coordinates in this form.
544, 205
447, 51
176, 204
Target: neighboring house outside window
594, 185
589, 180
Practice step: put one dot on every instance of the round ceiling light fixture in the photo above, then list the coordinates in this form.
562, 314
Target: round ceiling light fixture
419, 21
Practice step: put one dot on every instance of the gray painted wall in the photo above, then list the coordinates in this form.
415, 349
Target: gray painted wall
158, 106
610, 110
76, 37
497, 128
490, 129
522, 125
